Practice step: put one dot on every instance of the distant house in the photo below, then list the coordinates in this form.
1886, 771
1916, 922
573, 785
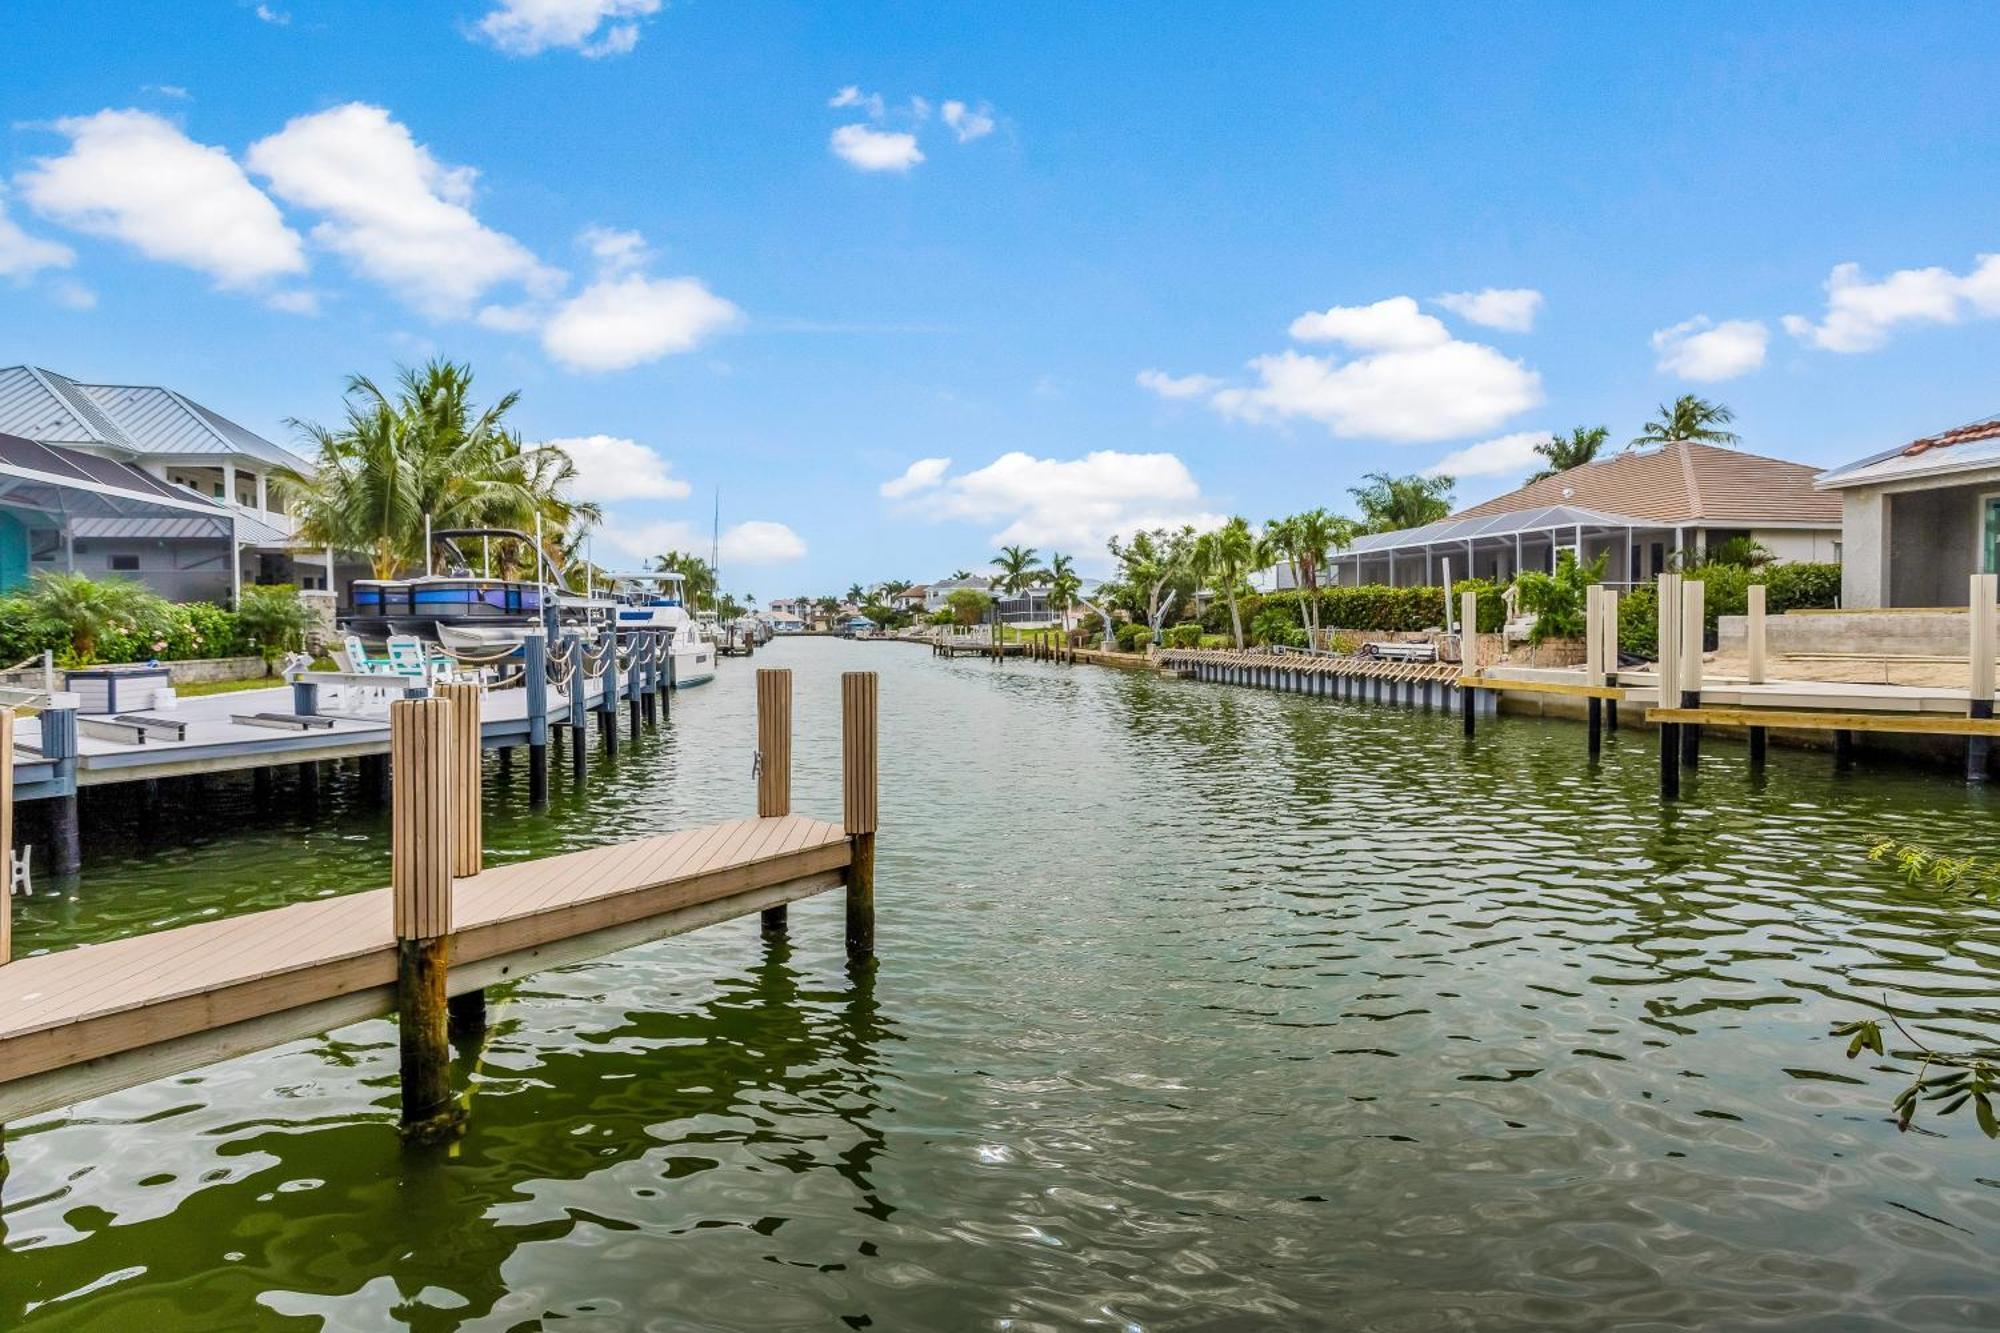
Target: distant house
913, 598
937, 595
1640, 508
209, 521
1920, 519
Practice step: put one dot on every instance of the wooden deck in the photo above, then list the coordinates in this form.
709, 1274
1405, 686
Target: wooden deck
87, 1021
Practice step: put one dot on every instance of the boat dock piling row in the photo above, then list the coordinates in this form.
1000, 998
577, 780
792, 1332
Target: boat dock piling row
83, 1022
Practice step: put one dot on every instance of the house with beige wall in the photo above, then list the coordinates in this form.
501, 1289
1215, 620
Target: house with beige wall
1920, 519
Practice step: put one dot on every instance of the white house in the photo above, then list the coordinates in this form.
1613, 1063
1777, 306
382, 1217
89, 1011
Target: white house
1919, 519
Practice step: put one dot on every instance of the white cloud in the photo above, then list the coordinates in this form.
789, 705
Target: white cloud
967, 123
22, 256
757, 542
592, 28
297, 302
72, 295
1392, 324
1508, 455
853, 96
1177, 386
1700, 349
610, 467
1510, 308
615, 251
1416, 381
273, 16
620, 322
918, 476
1860, 314
875, 150
134, 177
1073, 504
393, 210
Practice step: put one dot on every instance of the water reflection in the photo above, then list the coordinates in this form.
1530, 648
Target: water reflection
1197, 1007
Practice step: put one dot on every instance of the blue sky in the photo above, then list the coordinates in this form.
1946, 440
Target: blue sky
656, 223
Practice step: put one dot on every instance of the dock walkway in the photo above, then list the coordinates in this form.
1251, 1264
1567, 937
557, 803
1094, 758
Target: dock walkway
85, 1021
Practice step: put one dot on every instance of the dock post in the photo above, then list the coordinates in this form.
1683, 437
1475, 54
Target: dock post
607, 702
635, 663
1754, 673
535, 665
1608, 617
774, 762
6, 846
1694, 632
649, 681
1593, 661
466, 1014
422, 850
305, 698
579, 685
1979, 658
1668, 669
59, 745
859, 697
1468, 656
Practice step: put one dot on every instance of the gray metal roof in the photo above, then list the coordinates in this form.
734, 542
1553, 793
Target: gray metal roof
1898, 463
55, 484
1549, 518
142, 420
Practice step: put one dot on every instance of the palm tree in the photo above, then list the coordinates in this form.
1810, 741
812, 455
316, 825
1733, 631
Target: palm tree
1064, 584
1690, 418
1392, 503
1564, 453
1224, 557
1155, 562
424, 451
697, 575
959, 576
1306, 540
855, 592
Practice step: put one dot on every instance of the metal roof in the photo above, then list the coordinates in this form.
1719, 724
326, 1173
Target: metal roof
42, 405
1549, 518
60, 485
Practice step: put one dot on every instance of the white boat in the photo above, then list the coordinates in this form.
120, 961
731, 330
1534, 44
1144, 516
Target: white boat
652, 600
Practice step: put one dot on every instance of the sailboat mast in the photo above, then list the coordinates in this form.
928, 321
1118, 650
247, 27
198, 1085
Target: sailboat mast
715, 558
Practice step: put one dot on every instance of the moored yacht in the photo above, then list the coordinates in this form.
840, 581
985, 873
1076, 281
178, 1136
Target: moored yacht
652, 600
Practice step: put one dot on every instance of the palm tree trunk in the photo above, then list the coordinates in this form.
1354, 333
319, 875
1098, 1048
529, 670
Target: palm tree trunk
1236, 620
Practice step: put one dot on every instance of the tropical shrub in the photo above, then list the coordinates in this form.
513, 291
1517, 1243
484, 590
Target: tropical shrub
1184, 635
1557, 600
273, 619
1215, 641
1277, 624
1726, 592
1378, 608
1134, 638
968, 605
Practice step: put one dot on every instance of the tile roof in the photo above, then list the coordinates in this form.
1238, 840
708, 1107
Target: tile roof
1976, 444
137, 419
1682, 482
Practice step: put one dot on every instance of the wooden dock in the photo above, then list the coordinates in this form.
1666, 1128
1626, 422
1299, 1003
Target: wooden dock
87, 1021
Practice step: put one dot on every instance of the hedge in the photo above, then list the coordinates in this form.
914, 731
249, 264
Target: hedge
193, 629
1383, 609
1726, 592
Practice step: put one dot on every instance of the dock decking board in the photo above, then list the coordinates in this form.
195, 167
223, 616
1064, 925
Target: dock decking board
158, 1003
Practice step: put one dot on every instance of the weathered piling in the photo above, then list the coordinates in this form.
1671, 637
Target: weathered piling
607, 702
774, 762
1694, 627
1755, 667
59, 746
649, 681
635, 663
577, 684
6, 848
859, 700
467, 1012
1667, 668
1981, 611
1608, 618
1468, 655
422, 851
1593, 662
535, 663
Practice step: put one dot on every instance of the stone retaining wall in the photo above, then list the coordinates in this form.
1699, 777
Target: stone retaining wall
194, 671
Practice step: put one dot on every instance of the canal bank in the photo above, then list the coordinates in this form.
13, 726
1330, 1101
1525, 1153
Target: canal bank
1194, 1007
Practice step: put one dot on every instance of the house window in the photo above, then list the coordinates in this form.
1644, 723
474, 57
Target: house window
125, 564
1989, 535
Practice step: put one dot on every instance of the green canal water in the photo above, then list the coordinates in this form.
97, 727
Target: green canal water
1197, 1007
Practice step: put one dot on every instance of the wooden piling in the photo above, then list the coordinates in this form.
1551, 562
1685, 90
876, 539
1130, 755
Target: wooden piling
1468, 656
1754, 671
607, 703
1608, 619
1667, 669
1593, 662
422, 850
859, 699
535, 668
1694, 630
774, 762
1981, 612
